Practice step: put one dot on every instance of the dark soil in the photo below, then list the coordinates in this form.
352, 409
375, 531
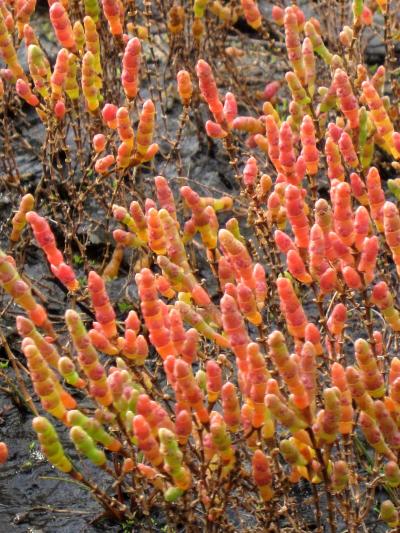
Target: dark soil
34, 497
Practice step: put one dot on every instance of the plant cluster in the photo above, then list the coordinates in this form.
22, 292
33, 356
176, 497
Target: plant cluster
258, 358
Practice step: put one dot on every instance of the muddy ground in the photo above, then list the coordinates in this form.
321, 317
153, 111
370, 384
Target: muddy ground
34, 497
